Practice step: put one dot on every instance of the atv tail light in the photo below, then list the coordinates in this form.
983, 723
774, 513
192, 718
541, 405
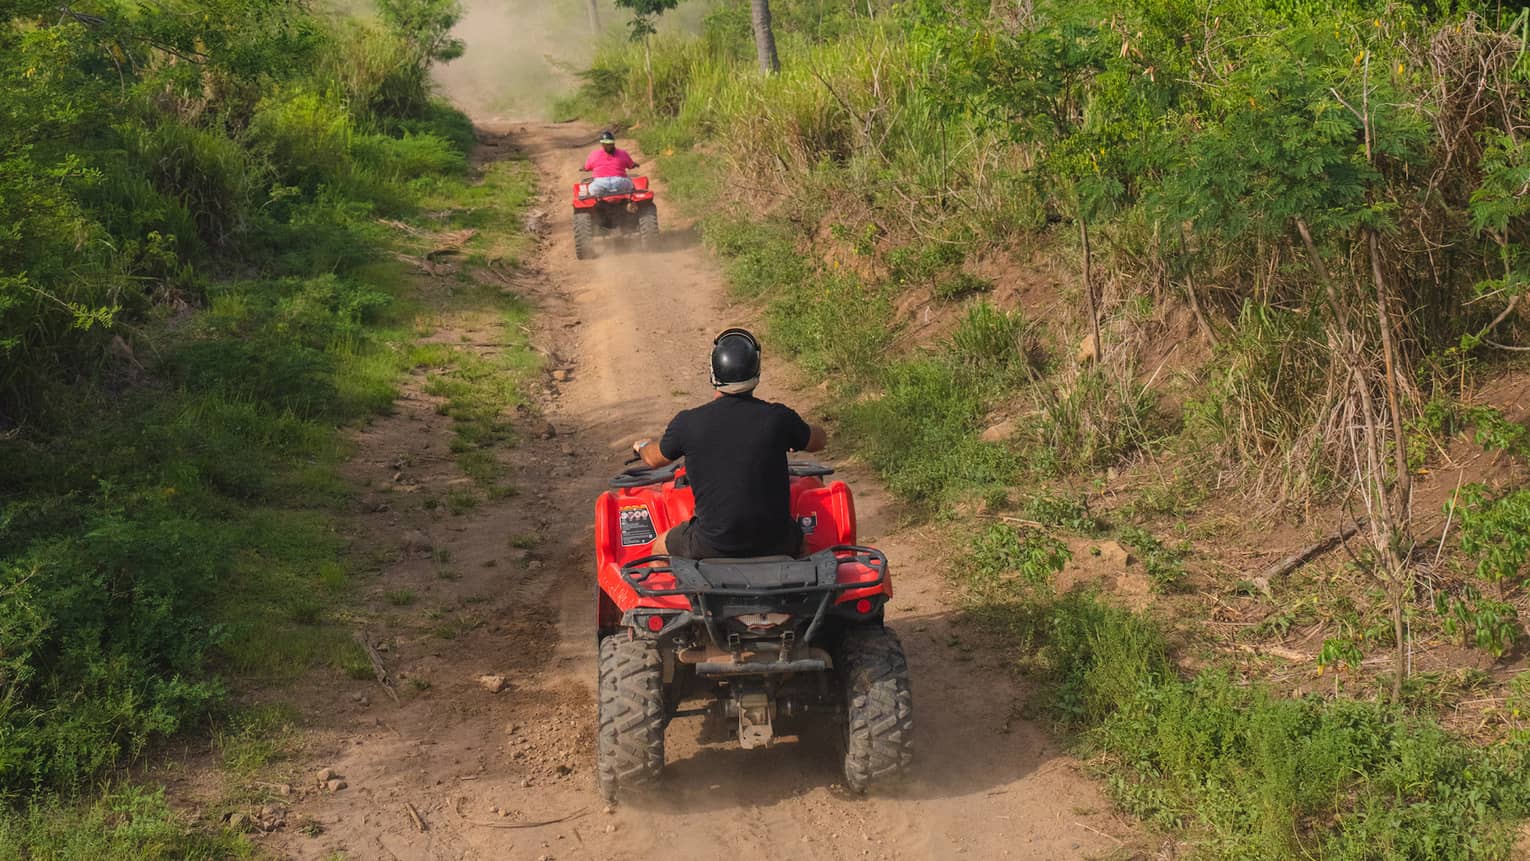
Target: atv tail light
863, 606
655, 623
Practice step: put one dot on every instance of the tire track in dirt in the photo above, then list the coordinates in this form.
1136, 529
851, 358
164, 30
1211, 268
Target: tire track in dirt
632, 332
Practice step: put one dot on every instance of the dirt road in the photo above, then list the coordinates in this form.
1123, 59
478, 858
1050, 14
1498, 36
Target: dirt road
454, 770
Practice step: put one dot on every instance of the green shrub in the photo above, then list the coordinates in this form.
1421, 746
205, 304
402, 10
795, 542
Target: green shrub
122, 823
214, 180
920, 434
1165, 565
1002, 550
993, 344
307, 135
1098, 419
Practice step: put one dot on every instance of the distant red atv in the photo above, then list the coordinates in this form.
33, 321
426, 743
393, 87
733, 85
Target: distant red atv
631, 213
749, 643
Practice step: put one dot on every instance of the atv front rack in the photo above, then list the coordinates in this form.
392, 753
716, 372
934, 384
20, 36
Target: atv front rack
705, 582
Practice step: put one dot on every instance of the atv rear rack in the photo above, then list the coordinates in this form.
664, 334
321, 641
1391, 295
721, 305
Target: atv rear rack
704, 581
643, 476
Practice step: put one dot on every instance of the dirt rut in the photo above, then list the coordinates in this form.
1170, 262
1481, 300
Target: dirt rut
454, 770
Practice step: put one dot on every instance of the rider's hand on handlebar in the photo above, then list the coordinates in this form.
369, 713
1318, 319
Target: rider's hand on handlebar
637, 447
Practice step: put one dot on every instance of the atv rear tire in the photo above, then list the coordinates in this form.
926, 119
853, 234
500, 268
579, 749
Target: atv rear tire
630, 748
648, 225
584, 235
879, 707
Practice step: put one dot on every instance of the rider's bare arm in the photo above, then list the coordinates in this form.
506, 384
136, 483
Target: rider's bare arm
649, 452
817, 438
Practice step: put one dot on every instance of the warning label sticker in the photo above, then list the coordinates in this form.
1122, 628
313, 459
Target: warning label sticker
637, 525
808, 522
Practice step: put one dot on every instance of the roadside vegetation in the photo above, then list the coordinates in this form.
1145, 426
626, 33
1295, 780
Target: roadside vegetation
1170, 278
213, 221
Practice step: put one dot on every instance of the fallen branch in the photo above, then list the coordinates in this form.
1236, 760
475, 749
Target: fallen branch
414, 814
379, 669
511, 825
1281, 652
1303, 556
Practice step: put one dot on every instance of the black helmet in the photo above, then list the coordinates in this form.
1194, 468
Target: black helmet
607, 137
735, 358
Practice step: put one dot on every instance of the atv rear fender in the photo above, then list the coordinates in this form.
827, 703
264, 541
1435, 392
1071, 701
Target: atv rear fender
629, 519
717, 588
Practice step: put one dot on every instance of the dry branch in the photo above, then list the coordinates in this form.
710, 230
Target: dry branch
414, 814
513, 825
1302, 556
379, 669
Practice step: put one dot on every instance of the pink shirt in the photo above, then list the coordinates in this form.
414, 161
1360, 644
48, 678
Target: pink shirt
603, 163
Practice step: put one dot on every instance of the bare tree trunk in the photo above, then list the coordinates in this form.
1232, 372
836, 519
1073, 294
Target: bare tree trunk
1094, 310
593, 8
764, 37
648, 67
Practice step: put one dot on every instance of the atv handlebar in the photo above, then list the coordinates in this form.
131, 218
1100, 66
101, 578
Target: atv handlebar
642, 476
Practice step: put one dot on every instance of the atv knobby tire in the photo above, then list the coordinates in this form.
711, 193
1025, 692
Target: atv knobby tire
630, 748
879, 707
584, 235
648, 225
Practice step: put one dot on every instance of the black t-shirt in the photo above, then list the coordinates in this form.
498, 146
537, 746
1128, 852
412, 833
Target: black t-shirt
735, 454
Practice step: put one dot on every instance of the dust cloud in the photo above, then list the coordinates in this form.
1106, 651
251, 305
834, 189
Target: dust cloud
523, 54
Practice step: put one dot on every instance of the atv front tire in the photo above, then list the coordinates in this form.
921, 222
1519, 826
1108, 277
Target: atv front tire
584, 235
648, 225
630, 748
879, 707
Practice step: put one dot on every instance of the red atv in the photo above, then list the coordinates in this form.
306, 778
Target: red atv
628, 213
750, 643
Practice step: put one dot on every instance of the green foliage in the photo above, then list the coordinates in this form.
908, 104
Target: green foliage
1001, 550
1165, 565
425, 26
142, 146
1193, 153
920, 434
961, 284
991, 343
122, 823
1493, 431
1492, 626
204, 188
1496, 533
1250, 773
1063, 512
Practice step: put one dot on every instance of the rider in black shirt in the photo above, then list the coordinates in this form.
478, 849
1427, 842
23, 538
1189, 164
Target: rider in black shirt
735, 455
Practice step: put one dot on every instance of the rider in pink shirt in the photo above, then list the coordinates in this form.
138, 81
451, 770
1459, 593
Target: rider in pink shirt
610, 166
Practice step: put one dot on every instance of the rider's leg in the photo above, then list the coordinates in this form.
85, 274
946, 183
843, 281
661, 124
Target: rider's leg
604, 185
